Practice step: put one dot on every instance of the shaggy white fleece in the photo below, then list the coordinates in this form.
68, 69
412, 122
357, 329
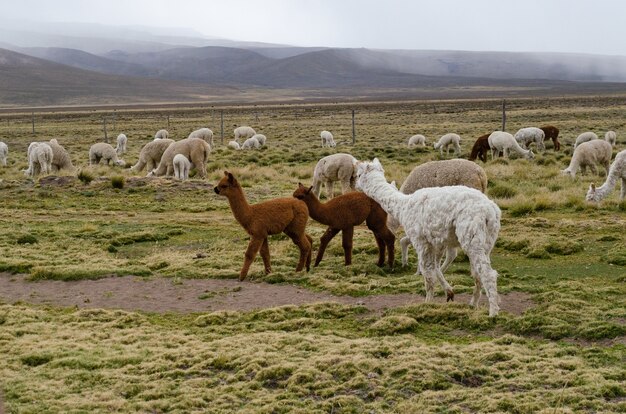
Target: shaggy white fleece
436, 219
617, 171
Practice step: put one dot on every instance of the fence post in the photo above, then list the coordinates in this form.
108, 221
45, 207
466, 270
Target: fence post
353, 129
114, 120
33, 121
104, 127
222, 125
503, 114
168, 121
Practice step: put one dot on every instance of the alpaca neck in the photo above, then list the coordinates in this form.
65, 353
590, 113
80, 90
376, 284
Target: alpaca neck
384, 193
317, 210
608, 186
240, 207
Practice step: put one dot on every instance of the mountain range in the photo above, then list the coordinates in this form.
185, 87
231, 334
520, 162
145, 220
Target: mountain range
77, 63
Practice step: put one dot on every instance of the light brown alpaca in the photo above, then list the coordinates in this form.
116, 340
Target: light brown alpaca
341, 214
281, 215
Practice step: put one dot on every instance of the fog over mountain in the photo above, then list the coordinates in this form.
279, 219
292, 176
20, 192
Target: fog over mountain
133, 53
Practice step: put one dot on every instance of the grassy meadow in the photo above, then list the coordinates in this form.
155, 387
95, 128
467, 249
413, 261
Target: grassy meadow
564, 354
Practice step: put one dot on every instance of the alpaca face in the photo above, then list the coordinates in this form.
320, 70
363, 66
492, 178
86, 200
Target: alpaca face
302, 192
226, 184
591, 194
363, 168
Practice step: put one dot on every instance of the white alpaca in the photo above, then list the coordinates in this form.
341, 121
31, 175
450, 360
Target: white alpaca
439, 174
203, 133
617, 171
244, 132
336, 167
436, 219
161, 134
446, 140
527, 136
151, 153
4, 153
327, 139
103, 151
181, 167
502, 142
251, 143
261, 138
610, 137
121, 144
585, 137
588, 154
416, 140
234, 145
39, 159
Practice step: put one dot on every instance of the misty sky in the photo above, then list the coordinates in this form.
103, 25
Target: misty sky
504, 25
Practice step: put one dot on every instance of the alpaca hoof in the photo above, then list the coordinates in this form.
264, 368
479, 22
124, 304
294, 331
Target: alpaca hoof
242, 278
450, 296
268, 271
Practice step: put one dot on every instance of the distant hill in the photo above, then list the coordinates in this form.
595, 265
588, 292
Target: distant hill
80, 63
25, 80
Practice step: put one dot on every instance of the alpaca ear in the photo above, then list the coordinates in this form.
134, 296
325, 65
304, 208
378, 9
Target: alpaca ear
226, 173
231, 178
309, 190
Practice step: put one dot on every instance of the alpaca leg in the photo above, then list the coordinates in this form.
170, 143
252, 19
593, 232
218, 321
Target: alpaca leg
345, 186
427, 266
265, 255
317, 187
381, 250
594, 169
451, 253
442, 280
303, 243
477, 290
198, 161
405, 242
488, 278
253, 247
386, 241
346, 243
310, 253
326, 238
330, 188
622, 194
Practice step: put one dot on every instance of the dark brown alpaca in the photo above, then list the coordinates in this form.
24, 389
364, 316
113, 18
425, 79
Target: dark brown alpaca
344, 212
553, 134
281, 215
480, 148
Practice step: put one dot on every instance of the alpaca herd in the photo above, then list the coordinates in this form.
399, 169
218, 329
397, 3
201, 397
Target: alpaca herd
441, 205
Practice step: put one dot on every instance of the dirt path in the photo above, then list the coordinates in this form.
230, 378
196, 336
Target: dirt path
199, 295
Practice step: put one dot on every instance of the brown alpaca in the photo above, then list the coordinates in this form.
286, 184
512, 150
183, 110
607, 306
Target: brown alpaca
480, 148
344, 212
553, 134
281, 215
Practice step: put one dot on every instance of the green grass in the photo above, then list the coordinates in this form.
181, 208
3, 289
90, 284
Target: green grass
564, 354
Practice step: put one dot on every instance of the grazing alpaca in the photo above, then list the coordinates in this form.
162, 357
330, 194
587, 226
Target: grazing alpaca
502, 142
281, 215
617, 170
552, 132
438, 218
588, 154
445, 141
335, 167
344, 212
480, 148
585, 137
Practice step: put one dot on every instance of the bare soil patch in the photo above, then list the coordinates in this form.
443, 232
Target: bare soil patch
201, 295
